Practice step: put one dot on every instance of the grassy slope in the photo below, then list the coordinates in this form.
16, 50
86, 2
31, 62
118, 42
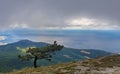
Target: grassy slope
10, 61
94, 66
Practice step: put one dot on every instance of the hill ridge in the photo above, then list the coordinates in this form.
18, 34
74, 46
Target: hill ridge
9, 53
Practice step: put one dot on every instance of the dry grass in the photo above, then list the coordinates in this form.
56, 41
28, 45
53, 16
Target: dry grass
104, 65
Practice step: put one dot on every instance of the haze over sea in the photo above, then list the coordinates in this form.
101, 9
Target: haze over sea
107, 40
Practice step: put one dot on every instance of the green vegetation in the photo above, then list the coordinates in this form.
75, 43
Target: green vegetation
91, 66
41, 53
9, 60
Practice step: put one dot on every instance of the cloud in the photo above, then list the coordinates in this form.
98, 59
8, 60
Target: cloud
2, 43
18, 26
82, 21
2, 38
52, 14
92, 24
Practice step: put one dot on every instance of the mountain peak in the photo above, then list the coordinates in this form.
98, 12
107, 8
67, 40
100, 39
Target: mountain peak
23, 43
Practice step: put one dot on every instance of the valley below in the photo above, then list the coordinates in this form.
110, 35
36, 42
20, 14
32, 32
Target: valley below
66, 61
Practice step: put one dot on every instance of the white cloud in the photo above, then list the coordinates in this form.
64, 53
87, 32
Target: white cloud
2, 37
93, 24
18, 25
82, 21
3, 44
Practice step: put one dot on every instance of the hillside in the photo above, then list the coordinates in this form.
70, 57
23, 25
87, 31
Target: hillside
9, 60
89, 66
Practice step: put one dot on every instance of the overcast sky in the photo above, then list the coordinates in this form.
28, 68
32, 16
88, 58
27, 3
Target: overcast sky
57, 14
91, 24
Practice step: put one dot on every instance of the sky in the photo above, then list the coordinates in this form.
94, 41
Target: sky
74, 23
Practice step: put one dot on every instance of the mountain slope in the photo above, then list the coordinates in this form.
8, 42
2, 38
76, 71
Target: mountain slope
10, 61
89, 66
22, 43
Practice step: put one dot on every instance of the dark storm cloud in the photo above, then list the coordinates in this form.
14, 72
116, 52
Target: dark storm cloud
54, 13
